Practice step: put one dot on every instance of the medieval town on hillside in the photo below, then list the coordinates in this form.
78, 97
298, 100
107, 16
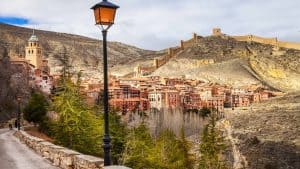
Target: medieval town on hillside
141, 93
149, 84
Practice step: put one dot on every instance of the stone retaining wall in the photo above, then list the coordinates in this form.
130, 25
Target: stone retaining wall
60, 156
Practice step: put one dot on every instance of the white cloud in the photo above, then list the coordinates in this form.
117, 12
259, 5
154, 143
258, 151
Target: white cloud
158, 24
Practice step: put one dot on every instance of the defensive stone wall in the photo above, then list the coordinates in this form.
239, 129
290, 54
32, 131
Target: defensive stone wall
292, 45
187, 43
268, 41
171, 52
176, 50
253, 38
240, 38
158, 62
60, 156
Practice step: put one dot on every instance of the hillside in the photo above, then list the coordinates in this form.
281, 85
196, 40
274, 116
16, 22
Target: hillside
236, 63
220, 59
267, 134
84, 53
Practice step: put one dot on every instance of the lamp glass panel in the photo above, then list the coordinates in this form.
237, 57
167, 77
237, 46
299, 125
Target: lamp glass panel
107, 16
97, 15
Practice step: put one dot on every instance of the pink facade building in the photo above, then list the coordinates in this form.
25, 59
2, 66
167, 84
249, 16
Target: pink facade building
127, 98
215, 103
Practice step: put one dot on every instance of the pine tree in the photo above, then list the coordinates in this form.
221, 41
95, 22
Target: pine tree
138, 147
188, 159
78, 127
166, 153
118, 133
212, 146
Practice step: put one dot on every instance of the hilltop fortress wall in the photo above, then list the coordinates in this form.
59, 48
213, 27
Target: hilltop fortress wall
173, 51
267, 41
253, 38
292, 45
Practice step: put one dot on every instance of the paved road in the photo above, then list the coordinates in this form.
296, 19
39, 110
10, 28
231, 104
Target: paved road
15, 155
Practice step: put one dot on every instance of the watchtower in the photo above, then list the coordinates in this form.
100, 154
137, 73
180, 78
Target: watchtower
216, 32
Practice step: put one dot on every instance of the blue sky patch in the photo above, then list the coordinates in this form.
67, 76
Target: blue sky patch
14, 20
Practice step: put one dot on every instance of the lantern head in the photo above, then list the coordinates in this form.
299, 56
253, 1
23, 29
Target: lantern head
105, 13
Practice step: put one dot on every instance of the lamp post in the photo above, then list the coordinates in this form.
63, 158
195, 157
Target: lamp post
19, 113
104, 16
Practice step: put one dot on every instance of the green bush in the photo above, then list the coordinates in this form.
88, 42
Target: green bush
36, 109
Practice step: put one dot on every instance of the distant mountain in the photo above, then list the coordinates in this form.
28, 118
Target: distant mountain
84, 53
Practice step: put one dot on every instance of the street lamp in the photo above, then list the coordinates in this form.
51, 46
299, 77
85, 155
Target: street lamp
19, 113
104, 16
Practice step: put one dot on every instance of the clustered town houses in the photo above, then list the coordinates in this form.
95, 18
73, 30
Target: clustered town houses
36, 68
143, 93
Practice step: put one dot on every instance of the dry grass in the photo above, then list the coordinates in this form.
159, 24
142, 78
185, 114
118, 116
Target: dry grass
36, 133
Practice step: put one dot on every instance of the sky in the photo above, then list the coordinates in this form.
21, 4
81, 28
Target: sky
159, 24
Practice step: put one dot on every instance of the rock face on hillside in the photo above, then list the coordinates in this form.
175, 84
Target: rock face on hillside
268, 134
224, 60
84, 53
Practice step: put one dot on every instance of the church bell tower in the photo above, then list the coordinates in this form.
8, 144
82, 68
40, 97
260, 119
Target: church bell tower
33, 52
